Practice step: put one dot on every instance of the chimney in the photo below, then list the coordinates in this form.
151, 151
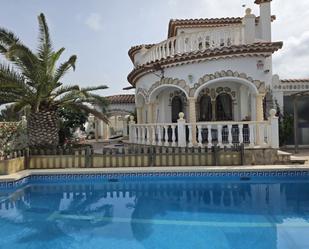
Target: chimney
265, 19
249, 27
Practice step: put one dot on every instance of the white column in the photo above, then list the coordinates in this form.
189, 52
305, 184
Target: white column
181, 130
274, 129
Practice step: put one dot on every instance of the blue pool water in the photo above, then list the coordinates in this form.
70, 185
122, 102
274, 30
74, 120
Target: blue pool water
166, 213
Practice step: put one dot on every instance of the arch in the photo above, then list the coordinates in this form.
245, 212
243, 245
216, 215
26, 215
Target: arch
140, 99
153, 92
256, 86
245, 82
224, 107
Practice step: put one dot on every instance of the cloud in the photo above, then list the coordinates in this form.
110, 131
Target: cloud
292, 60
94, 22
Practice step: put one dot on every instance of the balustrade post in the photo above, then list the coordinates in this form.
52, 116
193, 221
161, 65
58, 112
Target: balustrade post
173, 135
153, 135
159, 135
251, 135
241, 135
220, 136
230, 137
209, 137
200, 142
148, 136
274, 129
181, 130
142, 138
132, 134
166, 135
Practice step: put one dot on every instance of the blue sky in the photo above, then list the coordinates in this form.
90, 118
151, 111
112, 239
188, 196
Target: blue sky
100, 32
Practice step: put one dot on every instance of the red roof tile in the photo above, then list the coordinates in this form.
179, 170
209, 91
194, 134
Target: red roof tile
243, 50
174, 24
295, 80
121, 99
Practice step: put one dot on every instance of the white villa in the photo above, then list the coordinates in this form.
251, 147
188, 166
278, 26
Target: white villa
210, 82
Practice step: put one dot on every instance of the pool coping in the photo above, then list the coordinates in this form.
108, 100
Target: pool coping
183, 169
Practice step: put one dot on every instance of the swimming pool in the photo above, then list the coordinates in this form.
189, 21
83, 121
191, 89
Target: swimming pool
253, 211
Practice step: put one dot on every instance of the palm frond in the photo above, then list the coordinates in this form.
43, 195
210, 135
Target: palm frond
94, 88
91, 110
7, 38
53, 60
45, 47
65, 67
64, 89
24, 59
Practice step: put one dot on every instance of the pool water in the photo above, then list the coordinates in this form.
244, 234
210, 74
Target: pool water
167, 213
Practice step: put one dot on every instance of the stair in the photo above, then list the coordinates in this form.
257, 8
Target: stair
288, 158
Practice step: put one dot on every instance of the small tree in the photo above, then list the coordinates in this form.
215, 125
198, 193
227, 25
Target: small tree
70, 120
286, 122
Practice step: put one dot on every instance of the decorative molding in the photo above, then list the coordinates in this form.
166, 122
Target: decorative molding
208, 77
62, 178
181, 84
292, 87
180, 94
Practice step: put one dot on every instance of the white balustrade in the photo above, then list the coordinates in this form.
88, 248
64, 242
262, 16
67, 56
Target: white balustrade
189, 42
226, 133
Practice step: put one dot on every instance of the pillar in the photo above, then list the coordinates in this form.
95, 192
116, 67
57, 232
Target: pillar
105, 131
150, 113
259, 116
139, 115
124, 126
259, 107
192, 118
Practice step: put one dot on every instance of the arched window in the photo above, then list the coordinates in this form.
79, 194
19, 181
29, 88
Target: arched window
177, 107
205, 108
224, 107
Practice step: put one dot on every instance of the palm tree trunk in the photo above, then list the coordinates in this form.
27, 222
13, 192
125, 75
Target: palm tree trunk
43, 128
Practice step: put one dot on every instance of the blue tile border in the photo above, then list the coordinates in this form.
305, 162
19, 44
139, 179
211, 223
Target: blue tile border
151, 175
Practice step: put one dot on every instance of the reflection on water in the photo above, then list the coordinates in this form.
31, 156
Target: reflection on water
182, 214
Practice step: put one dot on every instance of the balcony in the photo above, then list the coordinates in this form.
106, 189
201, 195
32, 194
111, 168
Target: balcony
192, 42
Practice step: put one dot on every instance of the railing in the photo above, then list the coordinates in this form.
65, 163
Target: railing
190, 42
207, 134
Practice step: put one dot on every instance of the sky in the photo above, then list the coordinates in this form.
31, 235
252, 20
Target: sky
100, 32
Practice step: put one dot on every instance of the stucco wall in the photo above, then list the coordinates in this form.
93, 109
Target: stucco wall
191, 73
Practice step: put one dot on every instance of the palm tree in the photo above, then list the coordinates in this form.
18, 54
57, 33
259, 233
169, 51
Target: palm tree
32, 80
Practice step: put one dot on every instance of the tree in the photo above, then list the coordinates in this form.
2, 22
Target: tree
33, 80
8, 114
70, 120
